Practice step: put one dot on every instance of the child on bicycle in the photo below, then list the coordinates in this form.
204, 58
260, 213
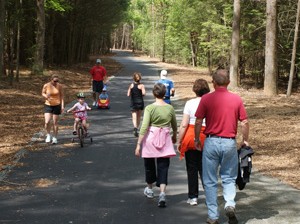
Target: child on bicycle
80, 112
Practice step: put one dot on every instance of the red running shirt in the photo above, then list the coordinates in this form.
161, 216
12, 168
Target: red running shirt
98, 73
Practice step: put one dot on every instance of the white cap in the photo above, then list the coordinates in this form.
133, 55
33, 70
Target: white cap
163, 74
98, 61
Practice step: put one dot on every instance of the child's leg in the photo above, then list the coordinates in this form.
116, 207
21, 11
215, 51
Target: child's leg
76, 123
84, 124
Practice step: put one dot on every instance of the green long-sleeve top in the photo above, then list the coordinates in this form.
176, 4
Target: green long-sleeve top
159, 116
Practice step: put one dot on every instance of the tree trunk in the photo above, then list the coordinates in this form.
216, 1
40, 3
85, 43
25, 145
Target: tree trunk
271, 66
123, 36
18, 41
10, 38
10, 53
38, 65
50, 40
153, 29
163, 57
128, 38
115, 45
209, 56
235, 41
292, 71
79, 48
132, 39
2, 32
193, 44
70, 41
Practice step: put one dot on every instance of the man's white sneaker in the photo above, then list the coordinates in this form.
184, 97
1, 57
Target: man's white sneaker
192, 201
148, 192
54, 140
48, 138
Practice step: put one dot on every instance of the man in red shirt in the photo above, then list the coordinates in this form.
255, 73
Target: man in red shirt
98, 73
221, 110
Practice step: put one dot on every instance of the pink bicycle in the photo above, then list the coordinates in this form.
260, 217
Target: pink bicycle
81, 131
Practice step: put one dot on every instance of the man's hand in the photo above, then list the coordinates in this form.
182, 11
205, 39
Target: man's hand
198, 144
244, 143
245, 132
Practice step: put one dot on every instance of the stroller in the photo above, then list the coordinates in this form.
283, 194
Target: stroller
103, 101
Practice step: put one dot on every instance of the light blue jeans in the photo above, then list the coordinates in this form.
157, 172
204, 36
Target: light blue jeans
219, 152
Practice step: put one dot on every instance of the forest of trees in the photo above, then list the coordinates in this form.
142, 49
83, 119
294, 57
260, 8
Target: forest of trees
254, 39
55, 32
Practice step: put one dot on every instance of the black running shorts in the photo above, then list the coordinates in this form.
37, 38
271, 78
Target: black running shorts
97, 86
53, 109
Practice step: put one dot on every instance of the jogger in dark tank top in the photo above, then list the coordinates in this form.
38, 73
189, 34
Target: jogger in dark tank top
136, 92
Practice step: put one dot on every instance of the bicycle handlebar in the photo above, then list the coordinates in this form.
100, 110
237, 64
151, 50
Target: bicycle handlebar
78, 111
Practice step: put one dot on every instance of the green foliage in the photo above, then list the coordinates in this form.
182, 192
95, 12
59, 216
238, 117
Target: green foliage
162, 28
177, 19
58, 5
252, 35
286, 30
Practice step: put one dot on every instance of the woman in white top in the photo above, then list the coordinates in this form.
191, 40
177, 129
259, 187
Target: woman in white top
186, 147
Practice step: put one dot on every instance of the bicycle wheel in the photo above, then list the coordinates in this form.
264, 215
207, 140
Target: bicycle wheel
81, 135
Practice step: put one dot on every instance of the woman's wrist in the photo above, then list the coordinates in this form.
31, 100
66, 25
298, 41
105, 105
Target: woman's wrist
138, 147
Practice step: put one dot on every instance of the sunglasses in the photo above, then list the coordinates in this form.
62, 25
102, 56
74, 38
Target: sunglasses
55, 81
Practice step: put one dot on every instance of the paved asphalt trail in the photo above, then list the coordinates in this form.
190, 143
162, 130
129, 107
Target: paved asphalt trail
103, 182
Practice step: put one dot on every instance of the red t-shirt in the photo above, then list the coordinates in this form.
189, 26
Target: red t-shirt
98, 73
222, 110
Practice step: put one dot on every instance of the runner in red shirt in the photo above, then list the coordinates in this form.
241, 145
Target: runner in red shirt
98, 73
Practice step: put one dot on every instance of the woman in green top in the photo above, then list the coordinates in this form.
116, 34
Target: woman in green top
157, 143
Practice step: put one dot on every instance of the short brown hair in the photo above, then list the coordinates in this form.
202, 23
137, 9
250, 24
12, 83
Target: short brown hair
159, 90
201, 87
221, 77
137, 76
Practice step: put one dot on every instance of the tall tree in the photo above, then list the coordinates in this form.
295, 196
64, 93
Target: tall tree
2, 31
235, 42
292, 71
38, 65
18, 40
271, 67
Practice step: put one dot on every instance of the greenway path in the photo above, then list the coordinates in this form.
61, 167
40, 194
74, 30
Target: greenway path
103, 182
